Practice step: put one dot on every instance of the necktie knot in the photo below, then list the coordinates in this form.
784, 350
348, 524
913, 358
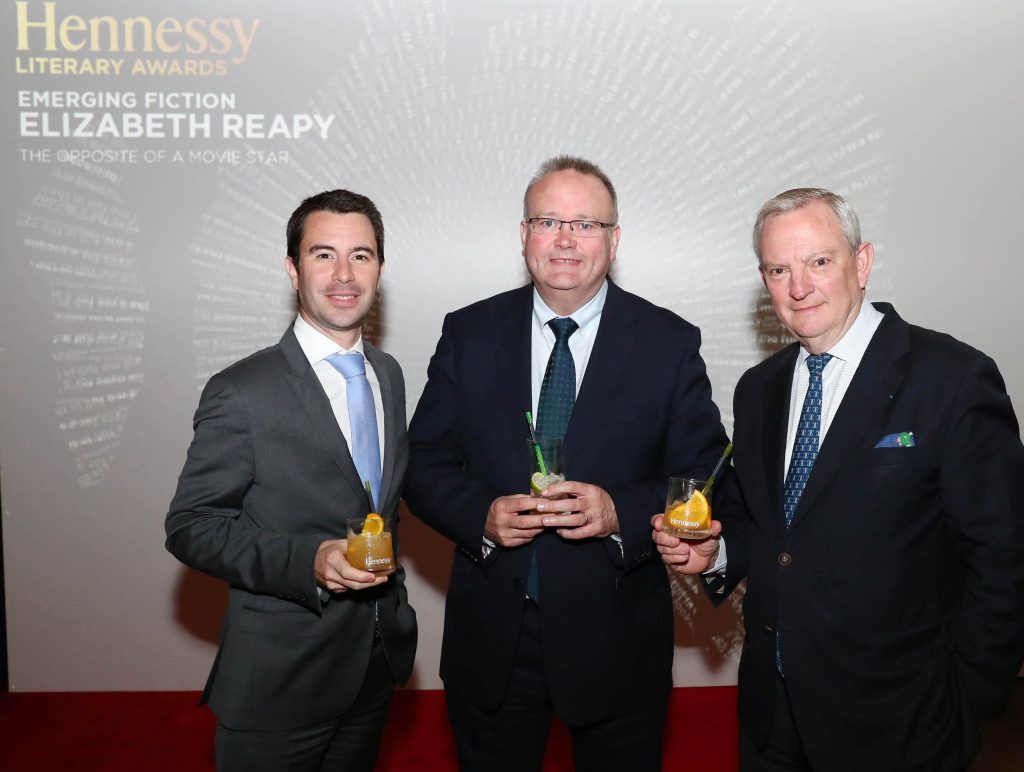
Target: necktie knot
816, 363
563, 328
350, 365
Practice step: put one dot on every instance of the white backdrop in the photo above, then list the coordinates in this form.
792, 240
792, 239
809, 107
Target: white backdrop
132, 273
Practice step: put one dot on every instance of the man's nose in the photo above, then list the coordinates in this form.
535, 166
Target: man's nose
800, 284
566, 236
343, 270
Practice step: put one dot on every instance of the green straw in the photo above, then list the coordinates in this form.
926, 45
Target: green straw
536, 445
718, 468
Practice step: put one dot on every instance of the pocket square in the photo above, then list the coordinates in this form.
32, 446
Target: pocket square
897, 440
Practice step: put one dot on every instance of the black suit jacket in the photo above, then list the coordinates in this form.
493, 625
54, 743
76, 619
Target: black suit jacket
644, 410
898, 590
268, 478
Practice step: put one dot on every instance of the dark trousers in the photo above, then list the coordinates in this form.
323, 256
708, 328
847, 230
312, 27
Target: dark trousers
514, 736
784, 751
348, 743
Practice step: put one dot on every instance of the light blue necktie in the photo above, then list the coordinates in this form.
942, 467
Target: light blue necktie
554, 408
362, 418
805, 452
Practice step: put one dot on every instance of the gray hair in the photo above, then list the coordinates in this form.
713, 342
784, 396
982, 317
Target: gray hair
568, 163
797, 198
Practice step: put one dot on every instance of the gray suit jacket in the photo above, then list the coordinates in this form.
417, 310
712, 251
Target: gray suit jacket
268, 478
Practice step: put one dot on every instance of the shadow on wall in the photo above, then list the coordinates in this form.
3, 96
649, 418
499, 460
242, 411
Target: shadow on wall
429, 554
716, 632
199, 604
425, 550
771, 335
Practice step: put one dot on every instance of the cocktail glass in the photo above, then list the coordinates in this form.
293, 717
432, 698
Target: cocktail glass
369, 544
545, 465
687, 510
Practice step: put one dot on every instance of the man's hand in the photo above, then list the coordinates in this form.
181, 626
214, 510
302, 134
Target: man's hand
587, 513
686, 557
335, 573
507, 526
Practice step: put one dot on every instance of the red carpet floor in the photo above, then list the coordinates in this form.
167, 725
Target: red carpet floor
141, 731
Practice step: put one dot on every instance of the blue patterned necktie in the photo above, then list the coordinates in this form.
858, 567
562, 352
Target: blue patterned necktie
554, 408
805, 453
805, 446
362, 418
558, 389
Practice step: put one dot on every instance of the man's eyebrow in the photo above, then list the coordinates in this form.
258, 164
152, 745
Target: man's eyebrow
321, 248
329, 248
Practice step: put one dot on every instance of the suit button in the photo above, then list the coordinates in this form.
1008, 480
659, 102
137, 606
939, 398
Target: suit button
769, 629
785, 558
519, 583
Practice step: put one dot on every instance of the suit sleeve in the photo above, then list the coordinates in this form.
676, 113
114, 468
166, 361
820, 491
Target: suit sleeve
730, 510
438, 488
982, 488
694, 440
207, 527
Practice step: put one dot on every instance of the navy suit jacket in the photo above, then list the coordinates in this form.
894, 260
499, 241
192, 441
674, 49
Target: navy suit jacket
268, 478
643, 411
898, 591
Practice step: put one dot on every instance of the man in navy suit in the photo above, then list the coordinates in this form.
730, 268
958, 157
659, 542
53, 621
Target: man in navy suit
559, 604
876, 512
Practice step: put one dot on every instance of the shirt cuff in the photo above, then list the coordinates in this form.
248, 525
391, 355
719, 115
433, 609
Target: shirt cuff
488, 547
618, 540
721, 563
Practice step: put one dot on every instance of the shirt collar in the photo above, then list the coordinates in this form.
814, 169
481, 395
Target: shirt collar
854, 343
584, 316
317, 346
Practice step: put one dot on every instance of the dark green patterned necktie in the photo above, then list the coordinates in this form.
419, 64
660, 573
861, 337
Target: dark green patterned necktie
558, 390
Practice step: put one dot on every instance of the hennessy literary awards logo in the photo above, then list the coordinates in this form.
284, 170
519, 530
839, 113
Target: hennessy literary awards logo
53, 43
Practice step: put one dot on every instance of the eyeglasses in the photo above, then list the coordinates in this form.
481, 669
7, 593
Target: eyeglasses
549, 226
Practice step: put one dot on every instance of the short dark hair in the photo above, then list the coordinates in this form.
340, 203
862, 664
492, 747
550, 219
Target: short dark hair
339, 202
569, 163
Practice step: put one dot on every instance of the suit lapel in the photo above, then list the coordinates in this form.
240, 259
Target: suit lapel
775, 428
609, 367
512, 365
876, 380
310, 394
387, 398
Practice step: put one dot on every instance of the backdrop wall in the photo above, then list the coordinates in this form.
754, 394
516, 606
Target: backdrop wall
152, 152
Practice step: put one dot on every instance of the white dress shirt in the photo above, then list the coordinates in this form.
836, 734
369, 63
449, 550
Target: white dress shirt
317, 347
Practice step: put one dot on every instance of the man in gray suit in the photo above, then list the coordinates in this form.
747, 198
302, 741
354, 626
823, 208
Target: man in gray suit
311, 647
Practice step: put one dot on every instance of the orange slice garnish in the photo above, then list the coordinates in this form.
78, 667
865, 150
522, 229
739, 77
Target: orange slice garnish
373, 525
694, 510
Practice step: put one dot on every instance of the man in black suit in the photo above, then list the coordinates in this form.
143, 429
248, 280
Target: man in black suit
876, 512
311, 647
559, 604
